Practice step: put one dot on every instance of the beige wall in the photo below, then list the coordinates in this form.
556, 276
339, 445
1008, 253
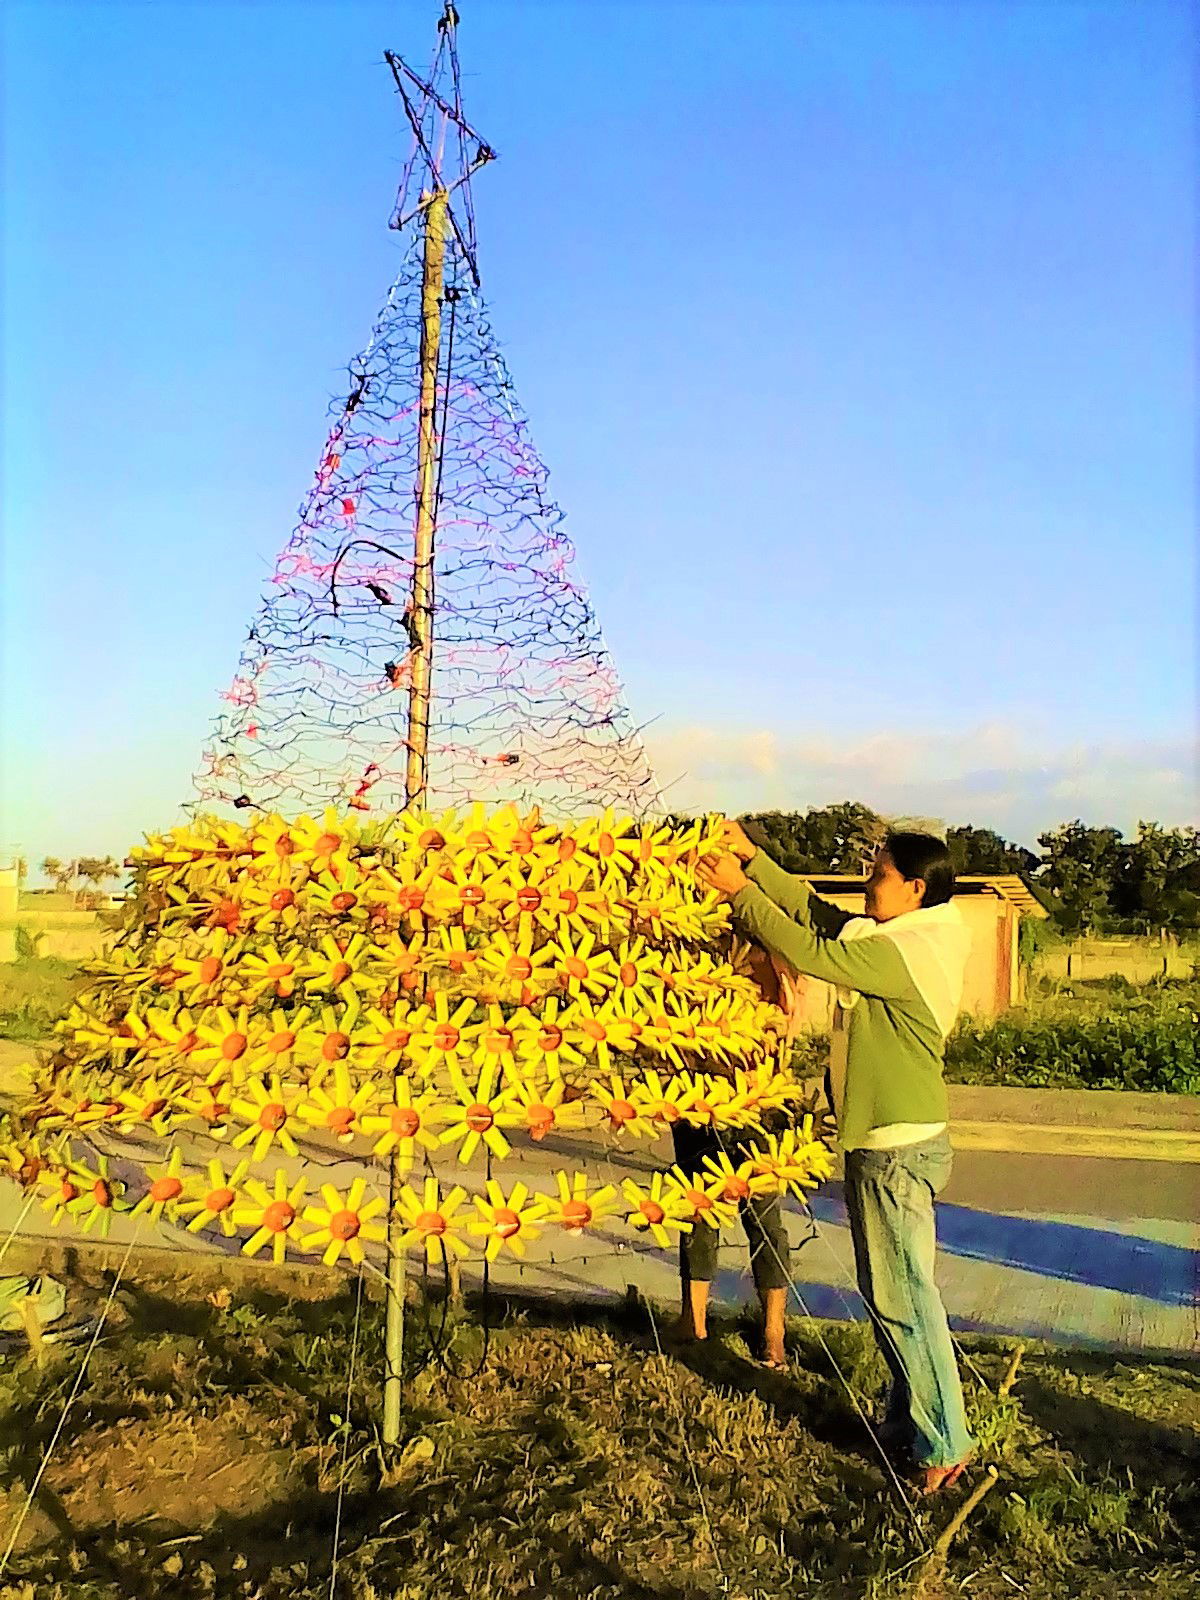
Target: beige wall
984, 915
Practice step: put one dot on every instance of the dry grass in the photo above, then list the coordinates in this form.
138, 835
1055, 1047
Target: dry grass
204, 1455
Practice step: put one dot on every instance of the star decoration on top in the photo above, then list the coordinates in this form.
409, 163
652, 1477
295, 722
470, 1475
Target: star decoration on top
447, 151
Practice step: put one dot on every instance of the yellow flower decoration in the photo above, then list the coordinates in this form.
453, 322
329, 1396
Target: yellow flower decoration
665, 1103
484, 1108
383, 1038
336, 966
701, 1206
507, 1222
333, 1104
543, 1108
344, 1222
793, 1159
447, 1038
149, 1104
339, 892
275, 902
166, 1188
408, 1122
579, 967
430, 1219
397, 961
273, 969
224, 1040
211, 1196
601, 1030
207, 1104
269, 1115
201, 975
725, 1181
276, 1041
550, 1042
625, 1111
330, 1036
516, 971
659, 1209
274, 1214
575, 1207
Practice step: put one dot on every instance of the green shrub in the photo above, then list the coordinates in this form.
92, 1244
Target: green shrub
1140, 1039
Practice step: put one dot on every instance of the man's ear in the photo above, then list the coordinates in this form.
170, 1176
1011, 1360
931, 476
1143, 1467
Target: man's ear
919, 886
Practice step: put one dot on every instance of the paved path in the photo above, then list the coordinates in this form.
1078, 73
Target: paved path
1046, 1239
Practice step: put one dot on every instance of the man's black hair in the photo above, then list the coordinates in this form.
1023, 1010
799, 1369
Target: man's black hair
920, 855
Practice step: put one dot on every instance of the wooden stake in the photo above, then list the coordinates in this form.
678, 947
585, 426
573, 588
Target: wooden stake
1010, 1377
416, 767
946, 1538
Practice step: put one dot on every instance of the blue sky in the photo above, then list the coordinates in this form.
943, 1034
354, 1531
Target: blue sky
858, 339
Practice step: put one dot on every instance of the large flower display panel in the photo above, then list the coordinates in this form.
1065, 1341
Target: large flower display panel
295, 993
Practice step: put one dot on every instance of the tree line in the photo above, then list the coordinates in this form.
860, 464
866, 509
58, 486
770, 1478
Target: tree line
1089, 879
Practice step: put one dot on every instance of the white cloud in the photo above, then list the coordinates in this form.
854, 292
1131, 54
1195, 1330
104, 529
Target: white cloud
995, 775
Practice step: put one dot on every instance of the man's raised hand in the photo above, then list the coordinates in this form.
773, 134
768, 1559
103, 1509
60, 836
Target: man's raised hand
722, 873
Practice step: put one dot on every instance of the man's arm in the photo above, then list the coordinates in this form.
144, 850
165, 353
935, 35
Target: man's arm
872, 966
795, 896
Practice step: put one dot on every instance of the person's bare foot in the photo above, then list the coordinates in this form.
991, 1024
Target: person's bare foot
931, 1480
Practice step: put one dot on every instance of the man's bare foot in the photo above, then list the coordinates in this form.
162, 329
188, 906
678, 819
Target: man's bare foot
685, 1331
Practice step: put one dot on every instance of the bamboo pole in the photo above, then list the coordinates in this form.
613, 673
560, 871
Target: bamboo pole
416, 767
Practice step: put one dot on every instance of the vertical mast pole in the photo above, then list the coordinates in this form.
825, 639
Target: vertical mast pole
416, 769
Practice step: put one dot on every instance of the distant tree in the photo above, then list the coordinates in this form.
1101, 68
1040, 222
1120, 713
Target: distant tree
97, 870
1081, 866
61, 874
1154, 888
979, 851
833, 839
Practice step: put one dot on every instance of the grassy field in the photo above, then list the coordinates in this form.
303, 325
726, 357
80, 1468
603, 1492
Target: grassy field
204, 1455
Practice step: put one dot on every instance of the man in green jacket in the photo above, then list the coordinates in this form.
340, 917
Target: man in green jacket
899, 976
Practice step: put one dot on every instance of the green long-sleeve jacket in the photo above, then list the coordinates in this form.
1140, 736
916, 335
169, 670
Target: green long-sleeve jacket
896, 1045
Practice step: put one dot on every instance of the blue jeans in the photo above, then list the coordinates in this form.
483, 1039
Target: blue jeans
889, 1198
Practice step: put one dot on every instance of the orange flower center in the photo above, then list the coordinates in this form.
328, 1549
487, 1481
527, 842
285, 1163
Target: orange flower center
550, 1038
326, 844
507, 1222
165, 1189
568, 901
279, 1216
166, 976
652, 1211
698, 1200
233, 1046
541, 1120
529, 899
667, 1111
345, 1225
282, 898
605, 844
336, 1046
621, 1111
431, 839
628, 974
102, 1194
344, 900
339, 972
280, 1042
430, 1222
272, 1116
219, 1199
576, 1214
593, 1029
210, 969
575, 968
445, 1037
280, 969
479, 1118
67, 1191
396, 1039
522, 842
284, 845
566, 849
499, 1041
479, 841
736, 1189
405, 1122
471, 894
151, 1109
187, 1043
518, 967
341, 1119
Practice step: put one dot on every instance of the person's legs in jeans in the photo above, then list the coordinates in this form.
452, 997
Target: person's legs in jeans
770, 1261
889, 1198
